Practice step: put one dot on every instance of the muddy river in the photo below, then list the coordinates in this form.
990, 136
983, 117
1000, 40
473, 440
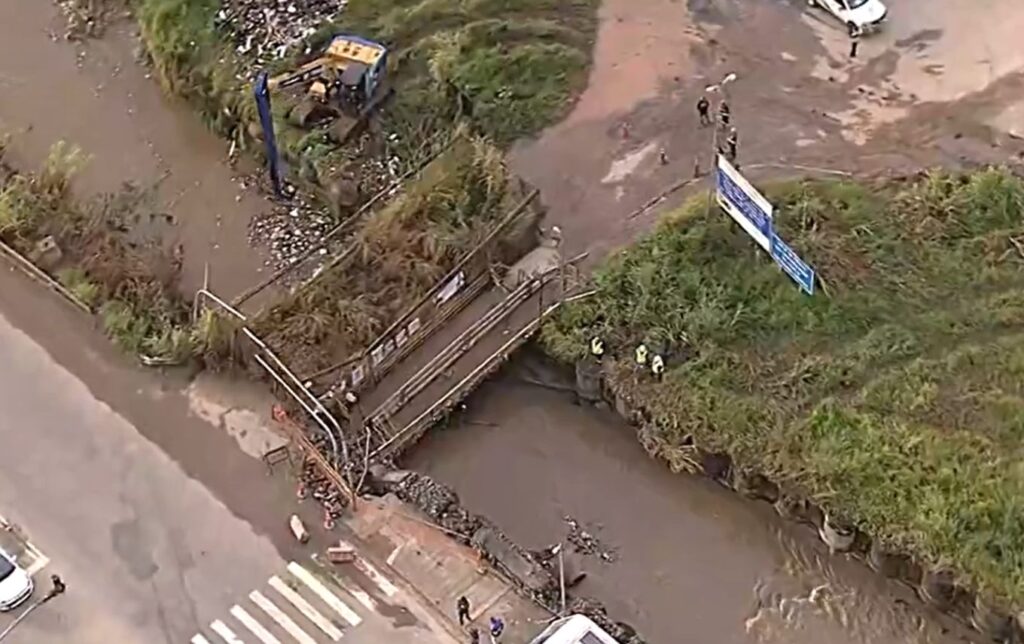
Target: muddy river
692, 561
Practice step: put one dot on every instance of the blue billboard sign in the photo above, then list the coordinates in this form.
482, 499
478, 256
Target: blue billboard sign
790, 262
744, 203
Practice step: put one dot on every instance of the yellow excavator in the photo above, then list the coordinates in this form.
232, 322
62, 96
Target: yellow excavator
344, 84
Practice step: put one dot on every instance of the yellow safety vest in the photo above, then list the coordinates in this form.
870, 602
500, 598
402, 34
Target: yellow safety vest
641, 354
657, 364
597, 347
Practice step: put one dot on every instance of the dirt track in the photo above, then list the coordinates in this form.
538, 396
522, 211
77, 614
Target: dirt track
689, 554
945, 88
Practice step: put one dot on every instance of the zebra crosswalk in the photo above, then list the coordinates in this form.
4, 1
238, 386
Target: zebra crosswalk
295, 607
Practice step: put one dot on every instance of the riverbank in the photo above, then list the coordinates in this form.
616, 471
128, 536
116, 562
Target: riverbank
890, 398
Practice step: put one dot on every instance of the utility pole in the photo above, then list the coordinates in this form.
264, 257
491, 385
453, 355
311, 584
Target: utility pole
58, 588
713, 174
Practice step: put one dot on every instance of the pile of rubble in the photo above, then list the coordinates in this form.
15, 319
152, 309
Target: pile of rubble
586, 543
289, 231
441, 503
268, 30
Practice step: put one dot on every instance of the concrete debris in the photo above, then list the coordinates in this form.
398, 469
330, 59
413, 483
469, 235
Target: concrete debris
586, 543
268, 30
428, 495
623, 633
298, 529
534, 576
289, 231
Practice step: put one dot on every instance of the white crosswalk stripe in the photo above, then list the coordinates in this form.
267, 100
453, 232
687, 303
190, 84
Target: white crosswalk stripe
199, 639
360, 595
282, 620
220, 628
254, 627
329, 598
312, 614
376, 577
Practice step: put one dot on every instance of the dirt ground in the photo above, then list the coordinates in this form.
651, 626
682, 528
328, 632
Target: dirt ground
95, 95
942, 87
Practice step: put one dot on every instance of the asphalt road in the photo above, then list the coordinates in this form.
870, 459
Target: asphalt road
150, 554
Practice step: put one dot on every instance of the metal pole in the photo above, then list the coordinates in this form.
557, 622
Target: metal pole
721, 85
21, 618
561, 574
58, 589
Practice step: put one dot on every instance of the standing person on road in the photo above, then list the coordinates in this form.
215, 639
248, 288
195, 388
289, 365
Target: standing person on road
703, 108
724, 114
732, 143
462, 607
497, 628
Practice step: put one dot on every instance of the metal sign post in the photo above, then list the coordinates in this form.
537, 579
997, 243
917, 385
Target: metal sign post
261, 92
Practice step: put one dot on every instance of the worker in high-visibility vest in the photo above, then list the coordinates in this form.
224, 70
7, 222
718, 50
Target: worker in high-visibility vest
597, 348
641, 354
657, 366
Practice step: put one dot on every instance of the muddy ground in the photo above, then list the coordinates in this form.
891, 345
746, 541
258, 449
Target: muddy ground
938, 87
941, 86
96, 95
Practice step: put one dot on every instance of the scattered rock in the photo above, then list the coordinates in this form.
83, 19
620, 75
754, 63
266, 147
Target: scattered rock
267, 30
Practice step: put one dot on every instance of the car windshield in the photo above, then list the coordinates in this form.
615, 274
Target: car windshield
6, 568
856, 4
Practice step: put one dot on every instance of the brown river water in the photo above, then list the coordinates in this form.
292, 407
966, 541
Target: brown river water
692, 562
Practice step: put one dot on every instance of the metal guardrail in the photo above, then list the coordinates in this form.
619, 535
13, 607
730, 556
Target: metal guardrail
458, 347
291, 384
464, 387
26, 266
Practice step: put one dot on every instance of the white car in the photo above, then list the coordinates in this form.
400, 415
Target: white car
858, 15
15, 584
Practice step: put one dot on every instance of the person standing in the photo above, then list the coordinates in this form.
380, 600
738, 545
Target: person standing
462, 607
497, 628
657, 366
641, 354
724, 113
474, 636
703, 109
732, 143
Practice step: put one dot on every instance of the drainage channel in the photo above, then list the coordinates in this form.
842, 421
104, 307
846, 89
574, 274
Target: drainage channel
679, 557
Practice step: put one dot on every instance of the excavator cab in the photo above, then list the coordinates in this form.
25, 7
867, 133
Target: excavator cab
344, 84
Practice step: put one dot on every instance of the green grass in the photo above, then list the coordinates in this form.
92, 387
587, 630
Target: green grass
894, 396
131, 280
399, 254
518, 61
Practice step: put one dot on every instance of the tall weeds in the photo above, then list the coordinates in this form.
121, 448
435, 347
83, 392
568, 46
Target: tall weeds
894, 395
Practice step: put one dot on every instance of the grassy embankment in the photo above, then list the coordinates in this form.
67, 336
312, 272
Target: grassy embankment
894, 397
516, 64
129, 281
394, 259
519, 62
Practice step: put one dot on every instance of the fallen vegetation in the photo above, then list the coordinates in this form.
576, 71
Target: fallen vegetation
130, 281
500, 68
894, 397
394, 259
